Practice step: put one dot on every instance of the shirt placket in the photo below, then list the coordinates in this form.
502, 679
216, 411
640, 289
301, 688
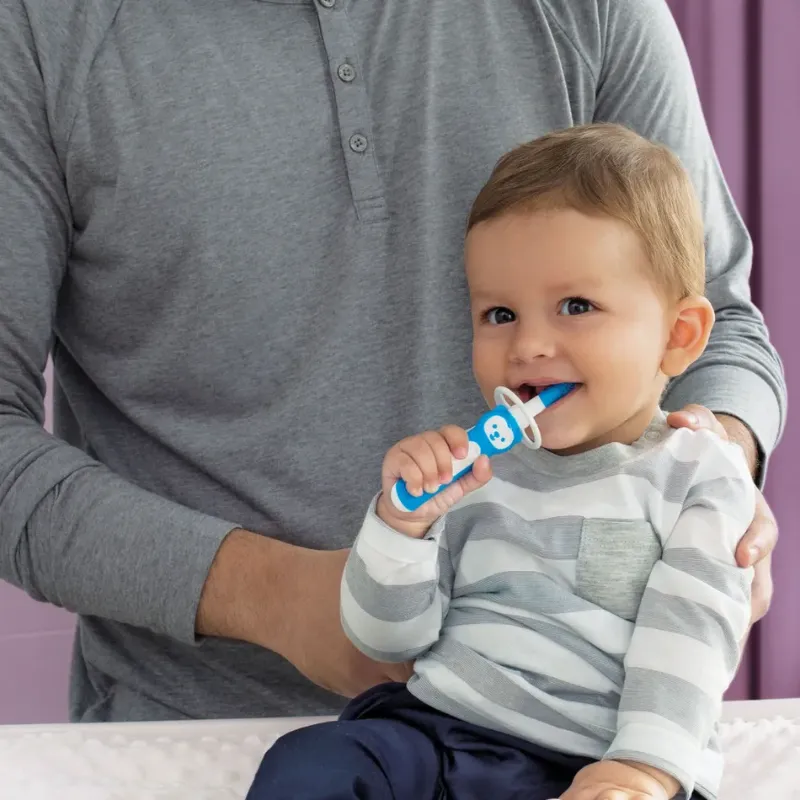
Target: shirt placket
353, 110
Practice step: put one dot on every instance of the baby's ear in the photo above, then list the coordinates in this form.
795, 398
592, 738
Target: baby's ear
691, 325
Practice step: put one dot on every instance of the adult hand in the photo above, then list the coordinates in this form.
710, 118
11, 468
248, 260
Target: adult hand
756, 546
286, 599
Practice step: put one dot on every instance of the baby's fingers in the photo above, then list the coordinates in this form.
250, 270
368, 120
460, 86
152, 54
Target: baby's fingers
407, 468
457, 440
444, 457
426, 450
480, 474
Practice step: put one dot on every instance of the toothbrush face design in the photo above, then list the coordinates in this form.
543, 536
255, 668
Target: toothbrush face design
497, 431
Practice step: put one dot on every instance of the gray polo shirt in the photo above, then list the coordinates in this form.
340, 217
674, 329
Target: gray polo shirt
239, 226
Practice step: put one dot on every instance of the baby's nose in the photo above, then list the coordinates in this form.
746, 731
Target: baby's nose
534, 341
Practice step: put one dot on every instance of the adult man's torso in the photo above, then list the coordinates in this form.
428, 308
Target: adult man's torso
265, 285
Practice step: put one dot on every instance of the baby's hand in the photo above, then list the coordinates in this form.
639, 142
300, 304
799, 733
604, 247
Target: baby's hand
424, 462
617, 780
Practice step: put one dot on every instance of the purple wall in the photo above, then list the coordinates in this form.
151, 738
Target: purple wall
777, 671
747, 62
35, 643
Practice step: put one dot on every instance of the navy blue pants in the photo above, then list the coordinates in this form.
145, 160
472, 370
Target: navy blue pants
387, 745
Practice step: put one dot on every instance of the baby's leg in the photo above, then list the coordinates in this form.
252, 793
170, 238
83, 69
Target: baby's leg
369, 759
504, 774
483, 765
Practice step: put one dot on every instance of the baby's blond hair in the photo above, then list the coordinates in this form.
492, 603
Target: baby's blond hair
604, 168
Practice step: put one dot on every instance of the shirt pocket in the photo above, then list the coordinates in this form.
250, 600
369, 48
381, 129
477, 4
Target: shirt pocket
615, 559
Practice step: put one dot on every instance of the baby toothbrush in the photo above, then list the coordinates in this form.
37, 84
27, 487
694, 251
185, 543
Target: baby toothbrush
497, 431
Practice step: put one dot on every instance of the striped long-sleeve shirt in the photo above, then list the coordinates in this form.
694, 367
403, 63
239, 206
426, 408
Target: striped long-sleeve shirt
589, 603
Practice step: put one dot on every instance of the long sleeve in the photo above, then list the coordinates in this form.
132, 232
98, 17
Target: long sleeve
71, 532
646, 83
685, 646
394, 594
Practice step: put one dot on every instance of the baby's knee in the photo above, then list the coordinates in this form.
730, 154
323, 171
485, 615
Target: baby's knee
322, 738
305, 762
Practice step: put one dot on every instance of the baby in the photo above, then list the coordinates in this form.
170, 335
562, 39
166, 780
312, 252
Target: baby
574, 612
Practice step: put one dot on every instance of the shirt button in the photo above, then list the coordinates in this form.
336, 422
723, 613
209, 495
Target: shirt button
327, 3
358, 143
346, 72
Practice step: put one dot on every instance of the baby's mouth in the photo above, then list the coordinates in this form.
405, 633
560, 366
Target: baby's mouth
527, 391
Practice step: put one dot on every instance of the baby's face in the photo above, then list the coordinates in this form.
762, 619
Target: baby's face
560, 296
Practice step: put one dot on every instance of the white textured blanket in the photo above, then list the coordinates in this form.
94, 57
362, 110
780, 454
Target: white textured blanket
217, 760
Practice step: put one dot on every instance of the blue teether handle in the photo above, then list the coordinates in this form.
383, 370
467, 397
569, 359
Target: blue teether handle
495, 432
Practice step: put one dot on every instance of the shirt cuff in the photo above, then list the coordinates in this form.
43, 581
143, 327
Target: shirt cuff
375, 535
660, 748
181, 595
737, 392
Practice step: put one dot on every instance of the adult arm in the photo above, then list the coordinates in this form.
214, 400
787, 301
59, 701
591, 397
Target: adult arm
71, 532
645, 81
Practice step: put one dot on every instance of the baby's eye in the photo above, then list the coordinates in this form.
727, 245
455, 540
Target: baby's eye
573, 306
499, 316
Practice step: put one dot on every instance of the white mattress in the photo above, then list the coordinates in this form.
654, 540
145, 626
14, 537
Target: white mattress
217, 760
